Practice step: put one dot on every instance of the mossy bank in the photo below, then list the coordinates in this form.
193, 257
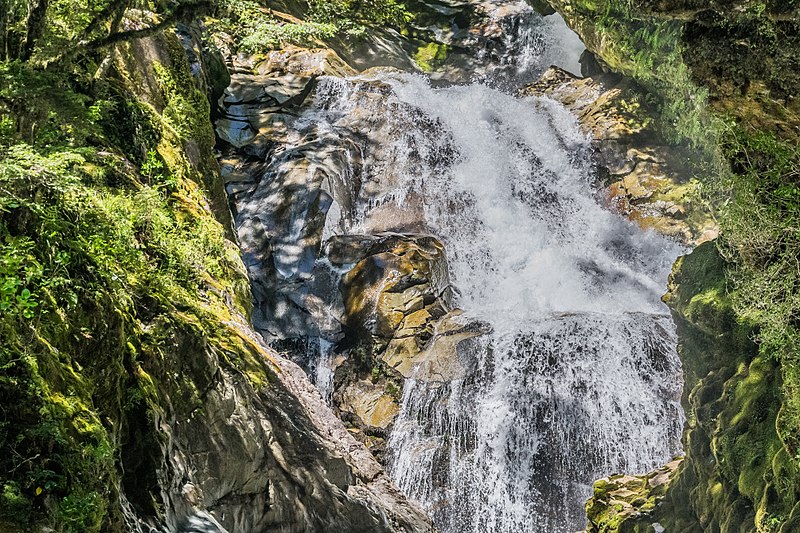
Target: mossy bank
133, 394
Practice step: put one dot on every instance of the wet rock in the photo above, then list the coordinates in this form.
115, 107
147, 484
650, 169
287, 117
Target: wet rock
280, 210
622, 497
386, 293
397, 300
293, 186
646, 180
438, 359
239, 133
370, 402
380, 298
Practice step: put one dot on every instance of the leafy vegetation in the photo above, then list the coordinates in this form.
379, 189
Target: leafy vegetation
259, 29
59, 32
650, 50
762, 240
105, 234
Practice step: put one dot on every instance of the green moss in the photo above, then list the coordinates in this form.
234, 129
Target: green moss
82, 512
112, 268
14, 505
739, 471
649, 49
629, 504
430, 56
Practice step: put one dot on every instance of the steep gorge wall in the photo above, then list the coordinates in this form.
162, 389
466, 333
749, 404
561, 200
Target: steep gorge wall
740, 472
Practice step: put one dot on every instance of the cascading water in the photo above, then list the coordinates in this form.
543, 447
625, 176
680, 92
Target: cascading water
577, 376
514, 46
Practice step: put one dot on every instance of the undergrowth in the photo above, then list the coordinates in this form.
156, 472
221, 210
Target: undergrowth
761, 239
649, 50
258, 29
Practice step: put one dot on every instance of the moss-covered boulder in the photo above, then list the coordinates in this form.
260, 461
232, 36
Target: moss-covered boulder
625, 503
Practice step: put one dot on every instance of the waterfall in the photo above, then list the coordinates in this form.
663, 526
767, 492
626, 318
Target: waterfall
579, 377
575, 375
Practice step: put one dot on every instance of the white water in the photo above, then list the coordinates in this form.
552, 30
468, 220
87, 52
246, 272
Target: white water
527, 45
579, 377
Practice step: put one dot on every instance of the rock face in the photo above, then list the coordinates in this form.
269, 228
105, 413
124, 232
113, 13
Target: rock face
246, 456
647, 180
241, 441
377, 300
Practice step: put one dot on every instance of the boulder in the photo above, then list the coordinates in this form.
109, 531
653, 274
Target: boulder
439, 359
370, 402
399, 287
622, 497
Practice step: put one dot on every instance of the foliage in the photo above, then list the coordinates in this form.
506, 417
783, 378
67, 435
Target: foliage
104, 229
430, 56
38, 105
353, 16
761, 238
62, 34
258, 29
267, 35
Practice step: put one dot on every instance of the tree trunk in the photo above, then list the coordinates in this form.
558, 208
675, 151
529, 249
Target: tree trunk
35, 27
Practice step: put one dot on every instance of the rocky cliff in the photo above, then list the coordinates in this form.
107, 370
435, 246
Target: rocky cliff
740, 472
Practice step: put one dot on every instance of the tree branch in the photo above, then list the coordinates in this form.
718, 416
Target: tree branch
35, 27
183, 11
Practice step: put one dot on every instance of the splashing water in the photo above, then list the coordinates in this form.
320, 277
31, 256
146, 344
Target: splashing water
579, 377
514, 46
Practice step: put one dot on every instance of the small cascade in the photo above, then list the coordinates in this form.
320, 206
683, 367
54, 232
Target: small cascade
516, 45
323, 369
579, 377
